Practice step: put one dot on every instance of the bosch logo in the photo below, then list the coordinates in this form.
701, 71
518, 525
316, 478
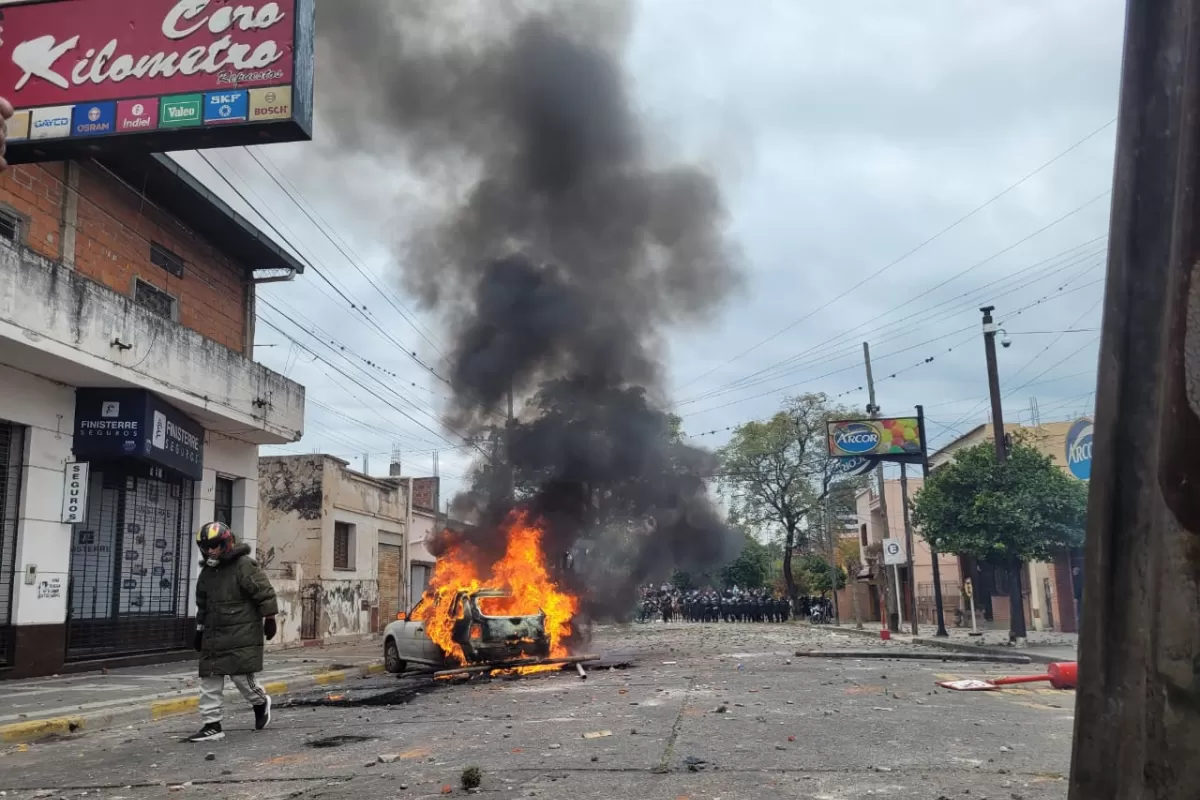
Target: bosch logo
270, 97
856, 438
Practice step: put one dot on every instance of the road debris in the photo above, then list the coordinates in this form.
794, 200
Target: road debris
471, 778
597, 734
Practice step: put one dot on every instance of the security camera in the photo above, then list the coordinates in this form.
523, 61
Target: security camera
1006, 342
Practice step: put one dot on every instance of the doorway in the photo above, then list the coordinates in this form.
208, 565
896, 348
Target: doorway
131, 564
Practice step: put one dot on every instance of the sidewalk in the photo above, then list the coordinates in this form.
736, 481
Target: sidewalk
1044, 647
39, 708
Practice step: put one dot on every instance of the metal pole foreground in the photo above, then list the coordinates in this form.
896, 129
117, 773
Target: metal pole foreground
1137, 713
908, 548
933, 553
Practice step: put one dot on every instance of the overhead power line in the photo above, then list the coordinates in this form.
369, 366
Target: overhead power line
905, 256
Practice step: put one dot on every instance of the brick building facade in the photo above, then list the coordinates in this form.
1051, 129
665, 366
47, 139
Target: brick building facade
119, 239
131, 410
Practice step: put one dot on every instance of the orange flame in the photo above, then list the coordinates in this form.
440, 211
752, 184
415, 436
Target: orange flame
521, 571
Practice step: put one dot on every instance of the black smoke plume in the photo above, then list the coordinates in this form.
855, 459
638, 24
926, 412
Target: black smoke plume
556, 250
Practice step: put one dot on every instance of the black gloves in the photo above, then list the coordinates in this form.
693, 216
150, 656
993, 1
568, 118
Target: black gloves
269, 628
197, 641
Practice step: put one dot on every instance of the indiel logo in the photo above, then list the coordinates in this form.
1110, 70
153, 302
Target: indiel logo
856, 438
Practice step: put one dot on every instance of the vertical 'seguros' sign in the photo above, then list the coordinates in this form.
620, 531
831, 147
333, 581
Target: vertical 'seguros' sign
84, 73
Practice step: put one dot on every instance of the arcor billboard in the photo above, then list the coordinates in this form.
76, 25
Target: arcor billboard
95, 76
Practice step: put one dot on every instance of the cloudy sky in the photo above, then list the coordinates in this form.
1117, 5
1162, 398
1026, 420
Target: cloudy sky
858, 144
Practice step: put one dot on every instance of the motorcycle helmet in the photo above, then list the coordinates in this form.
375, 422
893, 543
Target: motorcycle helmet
214, 539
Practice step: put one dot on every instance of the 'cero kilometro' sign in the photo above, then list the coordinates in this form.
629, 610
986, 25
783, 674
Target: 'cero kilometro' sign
133, 423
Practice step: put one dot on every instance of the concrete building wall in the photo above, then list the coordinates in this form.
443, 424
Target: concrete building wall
46, 410
303, 502
57, 324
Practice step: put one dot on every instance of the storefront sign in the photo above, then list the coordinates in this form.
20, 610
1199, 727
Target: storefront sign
133, 423
75, 491
83, 60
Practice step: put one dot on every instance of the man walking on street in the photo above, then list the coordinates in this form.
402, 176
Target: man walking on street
235, 609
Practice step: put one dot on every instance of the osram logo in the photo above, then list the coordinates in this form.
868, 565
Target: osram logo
857, 437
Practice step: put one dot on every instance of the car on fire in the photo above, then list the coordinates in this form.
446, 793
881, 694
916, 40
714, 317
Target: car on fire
484, 638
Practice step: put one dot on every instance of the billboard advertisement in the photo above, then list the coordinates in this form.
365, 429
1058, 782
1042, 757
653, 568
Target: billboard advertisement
93, 76
894, 439
853, 465
1079, 449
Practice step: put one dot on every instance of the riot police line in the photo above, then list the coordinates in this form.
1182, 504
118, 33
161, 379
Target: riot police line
669, 604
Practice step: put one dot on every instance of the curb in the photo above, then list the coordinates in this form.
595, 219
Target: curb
137, 712
1036, 658
960, 647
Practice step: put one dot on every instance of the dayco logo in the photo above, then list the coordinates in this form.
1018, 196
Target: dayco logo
53, 122
857, 437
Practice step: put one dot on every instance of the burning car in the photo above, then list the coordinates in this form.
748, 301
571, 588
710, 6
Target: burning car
479, 611
479, 637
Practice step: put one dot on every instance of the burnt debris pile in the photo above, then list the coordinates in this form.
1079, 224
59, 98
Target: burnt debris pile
531, 216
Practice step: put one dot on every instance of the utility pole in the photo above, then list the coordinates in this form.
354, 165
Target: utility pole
509, 473
933, 553
908, 546
1137, 711
1016, 630
832, 560
893, 601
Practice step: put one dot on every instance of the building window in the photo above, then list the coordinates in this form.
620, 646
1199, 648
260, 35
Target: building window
862, 535
223, 501
343, 545
153, 299
10, 227
162, 257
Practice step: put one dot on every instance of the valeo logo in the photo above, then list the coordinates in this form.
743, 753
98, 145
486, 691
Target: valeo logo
856, 438
181, 110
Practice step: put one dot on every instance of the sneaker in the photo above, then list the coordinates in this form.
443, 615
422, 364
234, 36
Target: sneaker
262, 715
209, 733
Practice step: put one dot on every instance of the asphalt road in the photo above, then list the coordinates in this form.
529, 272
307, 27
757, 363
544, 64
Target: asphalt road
704, 711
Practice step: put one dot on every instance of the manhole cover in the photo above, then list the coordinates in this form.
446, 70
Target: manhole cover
338, 741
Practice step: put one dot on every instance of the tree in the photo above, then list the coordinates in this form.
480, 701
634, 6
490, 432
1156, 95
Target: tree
751, 569
1004, 515
775, 473
816, 574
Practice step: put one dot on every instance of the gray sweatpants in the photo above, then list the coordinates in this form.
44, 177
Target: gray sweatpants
212, 694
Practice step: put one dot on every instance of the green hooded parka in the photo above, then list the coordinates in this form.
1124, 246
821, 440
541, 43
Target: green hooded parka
232, 599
